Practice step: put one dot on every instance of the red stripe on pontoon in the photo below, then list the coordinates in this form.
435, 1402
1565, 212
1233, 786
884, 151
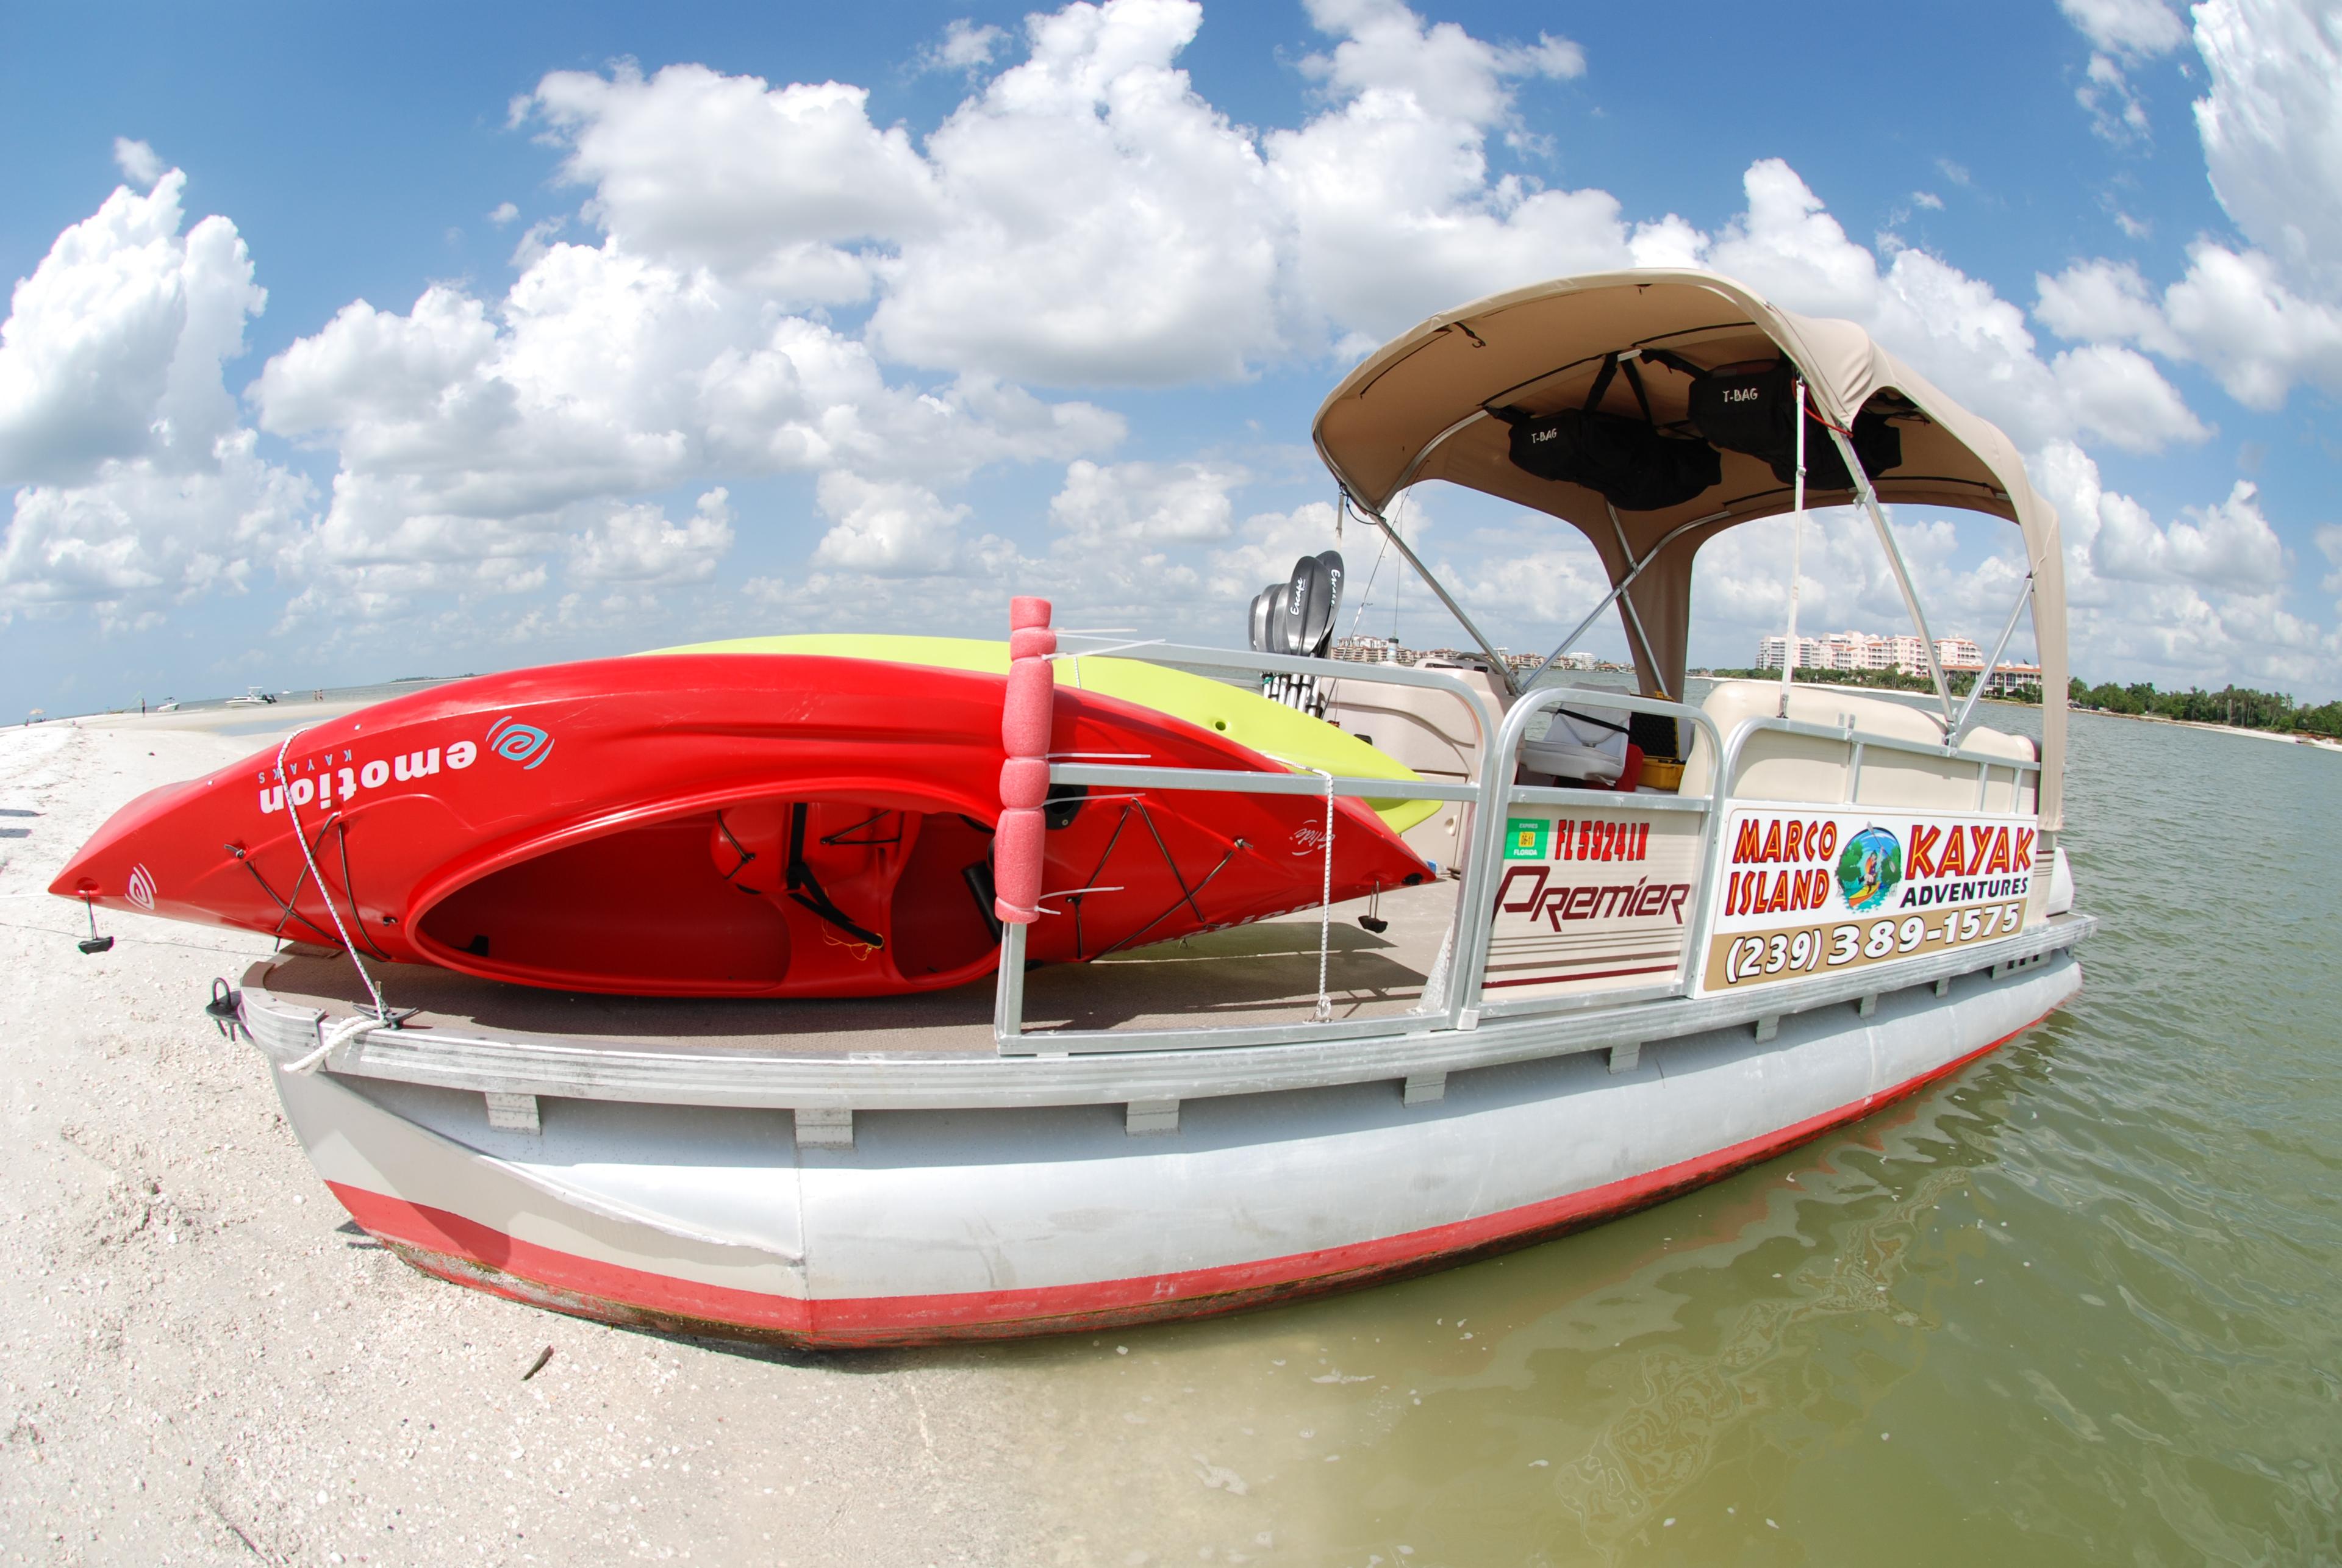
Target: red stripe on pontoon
876, 1318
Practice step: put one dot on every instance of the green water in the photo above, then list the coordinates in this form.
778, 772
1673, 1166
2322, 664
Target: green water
2075, 1304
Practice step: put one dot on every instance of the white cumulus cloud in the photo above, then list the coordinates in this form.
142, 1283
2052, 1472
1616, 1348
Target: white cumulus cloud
2123, 33
965, 45
887, 528
2272, 126
470, 429
1954, 328
2134, 28
2231, 311
640, 546
139, 163
113, 347
1128, 502
1098, 222
2183, 600
1385, 47
2266, 317
137, 488
770, 187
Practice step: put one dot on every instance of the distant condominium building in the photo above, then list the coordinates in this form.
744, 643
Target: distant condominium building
1836, 651
1773, 652
1857, 651
1366, 650
1868, 651
2004, 677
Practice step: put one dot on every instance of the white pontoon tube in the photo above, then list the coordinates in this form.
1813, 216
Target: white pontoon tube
1421, 408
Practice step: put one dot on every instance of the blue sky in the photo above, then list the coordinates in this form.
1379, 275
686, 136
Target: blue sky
348, 344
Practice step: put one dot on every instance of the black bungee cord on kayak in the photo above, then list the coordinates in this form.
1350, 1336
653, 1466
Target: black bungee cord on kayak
94, 942
806, 889
1187, 895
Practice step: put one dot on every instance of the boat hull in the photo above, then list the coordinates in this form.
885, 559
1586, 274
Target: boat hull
953, 1224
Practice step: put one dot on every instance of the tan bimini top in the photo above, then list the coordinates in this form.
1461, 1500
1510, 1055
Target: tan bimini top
1421, 407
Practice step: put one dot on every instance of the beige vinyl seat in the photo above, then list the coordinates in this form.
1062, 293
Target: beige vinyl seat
1772, 766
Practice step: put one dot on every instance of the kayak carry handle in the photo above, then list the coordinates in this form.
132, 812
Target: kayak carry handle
1025, 719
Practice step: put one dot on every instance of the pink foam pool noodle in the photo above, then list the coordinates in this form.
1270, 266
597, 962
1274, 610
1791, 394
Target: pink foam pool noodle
1025, 719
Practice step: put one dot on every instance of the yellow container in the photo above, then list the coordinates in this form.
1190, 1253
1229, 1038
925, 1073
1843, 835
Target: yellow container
1662, 774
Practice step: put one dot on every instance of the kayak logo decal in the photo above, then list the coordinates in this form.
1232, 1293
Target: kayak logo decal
523, 743
142, 887
324, 779
1869, 868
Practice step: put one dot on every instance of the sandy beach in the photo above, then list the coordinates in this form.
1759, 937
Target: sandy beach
203, 1362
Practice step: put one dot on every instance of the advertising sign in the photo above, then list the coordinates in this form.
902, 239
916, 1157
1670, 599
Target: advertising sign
1818, 890
1591, 901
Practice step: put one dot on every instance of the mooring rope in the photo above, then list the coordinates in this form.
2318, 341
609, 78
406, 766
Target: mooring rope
358, 1024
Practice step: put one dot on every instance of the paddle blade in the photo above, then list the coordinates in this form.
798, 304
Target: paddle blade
1297, 592
1324, 598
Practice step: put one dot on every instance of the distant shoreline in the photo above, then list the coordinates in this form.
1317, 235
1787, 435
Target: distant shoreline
2286, 737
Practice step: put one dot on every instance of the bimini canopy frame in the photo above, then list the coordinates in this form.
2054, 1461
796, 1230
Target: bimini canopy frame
1422, 407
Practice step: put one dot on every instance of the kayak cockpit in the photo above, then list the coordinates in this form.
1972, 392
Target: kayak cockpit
761, 897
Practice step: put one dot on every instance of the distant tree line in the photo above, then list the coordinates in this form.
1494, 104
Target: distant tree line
2240, 706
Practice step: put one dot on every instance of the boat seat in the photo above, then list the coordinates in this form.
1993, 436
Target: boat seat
1787, 767
1581, 743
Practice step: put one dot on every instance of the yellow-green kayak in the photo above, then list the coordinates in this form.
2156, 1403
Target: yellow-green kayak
1281, 733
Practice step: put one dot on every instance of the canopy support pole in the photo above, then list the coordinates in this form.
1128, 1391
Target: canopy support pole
1796, 552
1502, 671
1634, 616
1902, 568
1625, 582
1992, 661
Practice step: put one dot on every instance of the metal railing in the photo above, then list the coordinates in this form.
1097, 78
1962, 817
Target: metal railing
1454, 979
1460, 971
1008, 1006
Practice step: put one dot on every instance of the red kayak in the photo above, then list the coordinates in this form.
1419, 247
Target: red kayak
716, 825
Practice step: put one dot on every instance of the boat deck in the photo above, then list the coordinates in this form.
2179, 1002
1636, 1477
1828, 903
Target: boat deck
1265, 972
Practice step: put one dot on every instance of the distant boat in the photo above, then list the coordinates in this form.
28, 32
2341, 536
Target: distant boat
253, 697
